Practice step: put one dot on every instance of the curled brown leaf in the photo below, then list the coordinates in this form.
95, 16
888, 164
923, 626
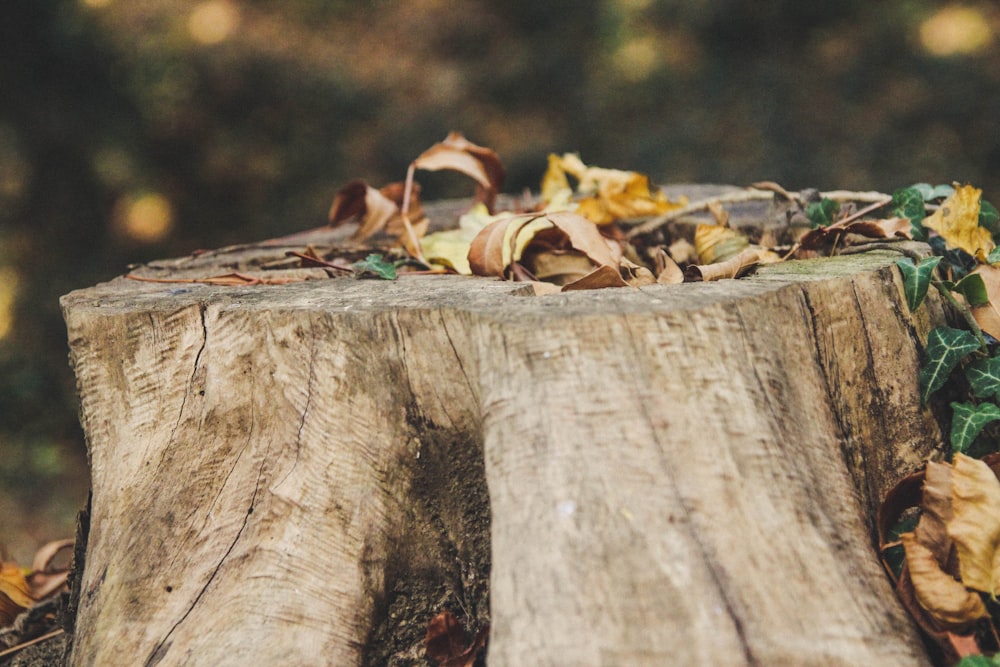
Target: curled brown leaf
940, 594
459, 154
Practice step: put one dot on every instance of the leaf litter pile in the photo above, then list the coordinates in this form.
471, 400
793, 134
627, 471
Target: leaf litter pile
595, 228
30, 598
587, 228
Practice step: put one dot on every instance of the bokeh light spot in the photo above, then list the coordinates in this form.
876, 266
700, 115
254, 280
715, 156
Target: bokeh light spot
9, 280
213, 21
956, 30
637, 58
146, 218
96, 4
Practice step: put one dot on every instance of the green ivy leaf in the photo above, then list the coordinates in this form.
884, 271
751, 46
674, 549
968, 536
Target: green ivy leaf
909, 203
989, 218
973, 289
984, 377
946, 347
821, 213
375, 266
916, 278
931, 192
994, 256
967, 421
978, 661
894, 556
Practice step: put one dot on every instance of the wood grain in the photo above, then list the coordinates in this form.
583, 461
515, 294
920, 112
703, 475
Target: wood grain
674, 475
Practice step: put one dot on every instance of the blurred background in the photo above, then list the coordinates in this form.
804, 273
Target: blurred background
136, 129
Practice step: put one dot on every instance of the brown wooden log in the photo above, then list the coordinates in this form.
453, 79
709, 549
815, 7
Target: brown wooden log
306, 473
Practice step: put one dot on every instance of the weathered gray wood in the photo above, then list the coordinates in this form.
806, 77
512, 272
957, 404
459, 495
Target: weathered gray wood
676, 475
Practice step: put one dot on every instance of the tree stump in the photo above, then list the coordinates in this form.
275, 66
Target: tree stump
307, 473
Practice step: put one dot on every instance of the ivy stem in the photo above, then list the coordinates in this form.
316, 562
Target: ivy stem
963, 309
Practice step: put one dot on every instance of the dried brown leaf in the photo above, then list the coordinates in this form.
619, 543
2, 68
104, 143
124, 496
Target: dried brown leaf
975, 525
46, 577
560, 247
496, 246
931, 530
941, 595
666, 269
358, 200
988, 315
586, 238
634, 274
446, 642
887, 228
731, 268
602, 277
477, 162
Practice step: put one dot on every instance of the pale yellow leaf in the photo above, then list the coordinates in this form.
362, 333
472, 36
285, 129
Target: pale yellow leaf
957, 220
452, 246
714, 244
944, 598
975, 524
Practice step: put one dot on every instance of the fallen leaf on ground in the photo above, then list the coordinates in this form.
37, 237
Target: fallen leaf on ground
451, 247
988, 315
887, 228
609, 194
46, 577
975, 526
376, 210
15, 594
459, 154
560, 247
714, 243
940, 594
734, 267
446, 642
957, 220
666, 269
931, 530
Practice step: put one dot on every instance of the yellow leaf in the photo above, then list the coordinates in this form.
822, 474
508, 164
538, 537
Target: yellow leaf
714, 244
15, 595
609, 194
556, 189
452, 246
944, 598
957, 220
975, 524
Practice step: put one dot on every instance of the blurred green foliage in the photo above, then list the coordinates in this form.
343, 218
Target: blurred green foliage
234, 120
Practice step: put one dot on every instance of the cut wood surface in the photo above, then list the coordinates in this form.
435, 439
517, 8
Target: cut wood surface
304, 474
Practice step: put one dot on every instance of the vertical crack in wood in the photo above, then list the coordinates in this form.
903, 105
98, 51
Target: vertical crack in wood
708, 556
309, 399
162, 647
190, 384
